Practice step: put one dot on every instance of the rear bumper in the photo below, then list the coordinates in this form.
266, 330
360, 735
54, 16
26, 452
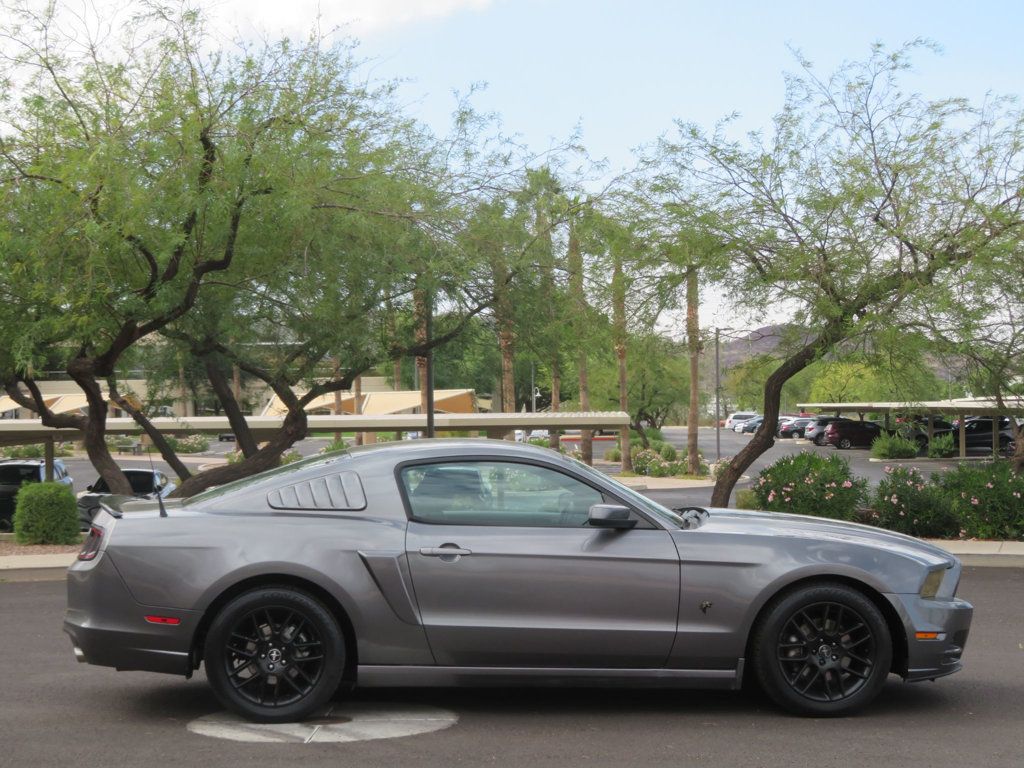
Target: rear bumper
108, 628
951, 619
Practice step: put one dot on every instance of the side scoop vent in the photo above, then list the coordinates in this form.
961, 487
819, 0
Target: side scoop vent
341, 491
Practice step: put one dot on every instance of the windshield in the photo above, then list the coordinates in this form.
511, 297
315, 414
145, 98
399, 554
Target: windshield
310, 461
16, 475
646, 504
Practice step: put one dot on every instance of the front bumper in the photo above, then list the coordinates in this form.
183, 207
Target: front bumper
950, 618
108, 627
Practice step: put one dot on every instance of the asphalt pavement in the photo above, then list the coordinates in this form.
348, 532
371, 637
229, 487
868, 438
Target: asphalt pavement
55, 711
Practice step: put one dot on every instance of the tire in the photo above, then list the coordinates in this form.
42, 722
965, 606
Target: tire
253, 640
819, 439
844, 443
822, 650
1008, 447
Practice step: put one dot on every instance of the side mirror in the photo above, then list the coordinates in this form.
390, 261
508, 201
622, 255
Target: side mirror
610, 516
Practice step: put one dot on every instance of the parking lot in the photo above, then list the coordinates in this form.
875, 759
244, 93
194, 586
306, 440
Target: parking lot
58, 712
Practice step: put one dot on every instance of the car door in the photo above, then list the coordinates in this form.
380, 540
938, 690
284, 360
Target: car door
979, 433
507, 572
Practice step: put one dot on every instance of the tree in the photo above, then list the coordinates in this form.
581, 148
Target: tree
862, 197
130, 173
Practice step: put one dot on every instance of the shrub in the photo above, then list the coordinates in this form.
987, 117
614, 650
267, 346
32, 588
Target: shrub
657, 445
613, 454
289, 457
642, 459
649, 462
35, 451
668, 452
987, 498
334, 445
907, 503
810, 484
941, 446
893, 447
540, 442
45, 513
719, 466
187, 444
746, 499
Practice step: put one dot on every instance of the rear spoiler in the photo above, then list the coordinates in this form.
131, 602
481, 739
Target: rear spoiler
113, 503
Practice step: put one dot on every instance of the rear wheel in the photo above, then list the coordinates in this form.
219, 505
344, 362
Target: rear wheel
844, 442
274, 655
819, 439
822, 650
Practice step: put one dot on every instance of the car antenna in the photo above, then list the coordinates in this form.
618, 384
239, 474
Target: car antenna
159, 498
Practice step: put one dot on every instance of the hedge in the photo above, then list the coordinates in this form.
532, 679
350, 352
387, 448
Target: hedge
45, 513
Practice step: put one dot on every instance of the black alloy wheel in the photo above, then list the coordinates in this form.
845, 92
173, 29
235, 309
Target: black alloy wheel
823, 650
274, 655
845, 443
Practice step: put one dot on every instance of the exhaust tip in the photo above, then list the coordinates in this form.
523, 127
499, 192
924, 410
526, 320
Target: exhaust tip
79, 655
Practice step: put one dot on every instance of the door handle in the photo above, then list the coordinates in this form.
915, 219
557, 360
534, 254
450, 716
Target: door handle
446, 550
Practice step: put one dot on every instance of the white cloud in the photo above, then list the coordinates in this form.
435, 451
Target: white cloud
359, 17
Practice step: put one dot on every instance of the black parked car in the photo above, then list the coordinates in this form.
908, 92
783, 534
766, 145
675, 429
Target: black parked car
851, 434
794, 428
751, 425
15, 473
917, 429
978, 435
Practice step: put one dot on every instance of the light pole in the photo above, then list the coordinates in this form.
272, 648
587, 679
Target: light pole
718, 391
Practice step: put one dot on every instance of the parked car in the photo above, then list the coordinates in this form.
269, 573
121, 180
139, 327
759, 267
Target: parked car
916, 429
815, 431
146, 484
848, 433
468, 562
738, 416
750, 425
14, 473
978, 434
793, 427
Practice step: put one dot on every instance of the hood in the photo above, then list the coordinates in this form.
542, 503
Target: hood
825, 529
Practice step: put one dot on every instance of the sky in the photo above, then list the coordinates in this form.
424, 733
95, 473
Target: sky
624, 71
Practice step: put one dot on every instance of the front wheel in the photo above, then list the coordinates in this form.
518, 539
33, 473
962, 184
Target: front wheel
274, 655
819, 439
822, 650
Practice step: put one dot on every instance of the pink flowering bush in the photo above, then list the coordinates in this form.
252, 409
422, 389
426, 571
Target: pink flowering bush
810, 484
987, 499
906, 502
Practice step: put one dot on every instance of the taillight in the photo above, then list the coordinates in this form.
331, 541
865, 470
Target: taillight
91, 547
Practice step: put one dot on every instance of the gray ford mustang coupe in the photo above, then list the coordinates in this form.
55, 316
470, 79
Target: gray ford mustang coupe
468, 562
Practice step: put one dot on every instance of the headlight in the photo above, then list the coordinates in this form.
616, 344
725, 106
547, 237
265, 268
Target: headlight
931, 585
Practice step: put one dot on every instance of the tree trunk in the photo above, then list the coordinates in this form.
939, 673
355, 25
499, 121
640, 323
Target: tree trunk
357, 397
159, 441
619, 337
95, 428
693, 343
764, 437
579, 319
419, 298
554, 436
218, 382
338, 436
293, 428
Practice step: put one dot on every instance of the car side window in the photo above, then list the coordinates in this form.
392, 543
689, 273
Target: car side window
497, 493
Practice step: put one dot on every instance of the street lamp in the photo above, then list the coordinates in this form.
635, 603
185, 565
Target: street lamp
718, 393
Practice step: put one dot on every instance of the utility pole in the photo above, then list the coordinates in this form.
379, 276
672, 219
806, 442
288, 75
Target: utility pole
533, 388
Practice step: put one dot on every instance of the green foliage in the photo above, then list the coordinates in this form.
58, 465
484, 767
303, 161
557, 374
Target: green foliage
45, 513
907, 503
613, 454
289, 457
188, 444
887, 446
36, 451
668, 452
746, 499
941, 447
810, 484
647, 461
334, 445
987, 498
